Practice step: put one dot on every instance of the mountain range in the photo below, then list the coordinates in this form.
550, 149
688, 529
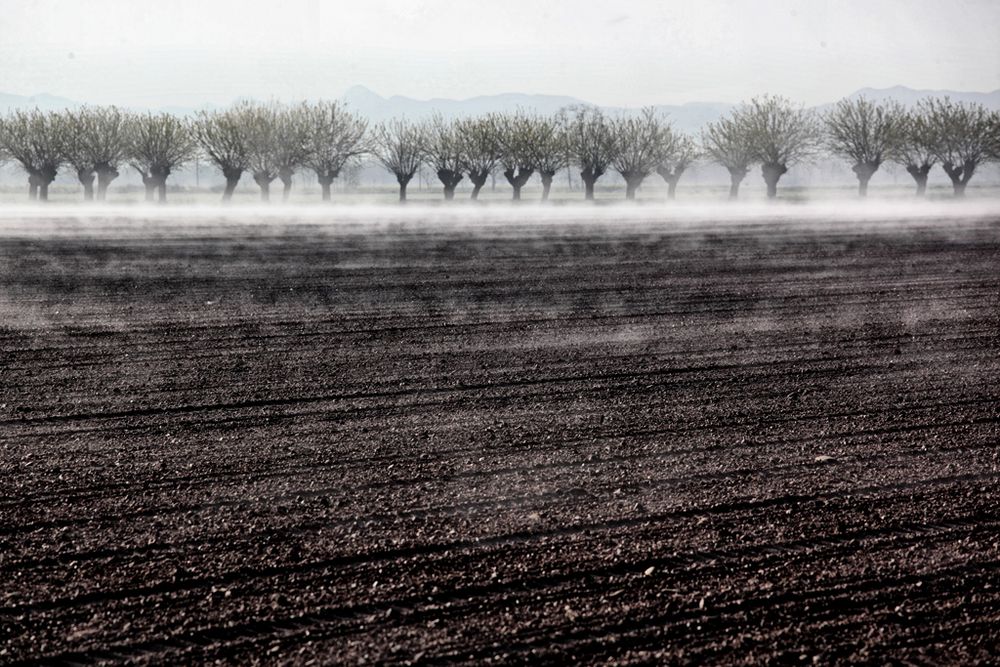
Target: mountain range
686, 117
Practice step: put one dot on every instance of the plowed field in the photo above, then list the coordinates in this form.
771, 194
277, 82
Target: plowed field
573, 442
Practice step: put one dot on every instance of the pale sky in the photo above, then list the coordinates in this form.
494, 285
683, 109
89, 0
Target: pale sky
623, 53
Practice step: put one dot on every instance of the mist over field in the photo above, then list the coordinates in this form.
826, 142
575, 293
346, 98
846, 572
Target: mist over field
654, 215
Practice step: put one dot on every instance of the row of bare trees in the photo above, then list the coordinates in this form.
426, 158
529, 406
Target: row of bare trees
269, 141
273, 141
96, 143
771, 132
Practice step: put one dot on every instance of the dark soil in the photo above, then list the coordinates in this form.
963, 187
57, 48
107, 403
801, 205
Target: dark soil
310, 444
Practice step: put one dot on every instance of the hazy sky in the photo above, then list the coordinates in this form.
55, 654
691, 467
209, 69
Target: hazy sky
629, 53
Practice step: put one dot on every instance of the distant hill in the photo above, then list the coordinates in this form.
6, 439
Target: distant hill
43, 101
377, 108
688, 117
909, 96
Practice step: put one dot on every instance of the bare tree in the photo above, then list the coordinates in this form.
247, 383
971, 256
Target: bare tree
780, 134
864, 133
551, 148
224, 136
76, 154
277, 140
726, 142
994, 136
641, 143
263, 143
292, 149
158, 144
37, 140
519, 136
960, 135
481, 148
336, 136
679, 153
97, 143
591, 145
914, 148
400, 147
444, 153
109, 145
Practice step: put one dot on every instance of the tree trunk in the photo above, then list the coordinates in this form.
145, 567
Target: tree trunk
149, 184
517, 178
45, 178
450, 180
546, 185
478, 181
104, 178
956, 182
285, 174
864, 172
632, 182
232, 180
263, 181
671, 176
589, 177
86, 177
158, 177
968, 169
325, 181
957, 176
919, 175
772, 172
32, 187
403, 179
736, 177
227, 193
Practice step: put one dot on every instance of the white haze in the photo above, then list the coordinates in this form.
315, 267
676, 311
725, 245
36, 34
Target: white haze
96, 221
627, 53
